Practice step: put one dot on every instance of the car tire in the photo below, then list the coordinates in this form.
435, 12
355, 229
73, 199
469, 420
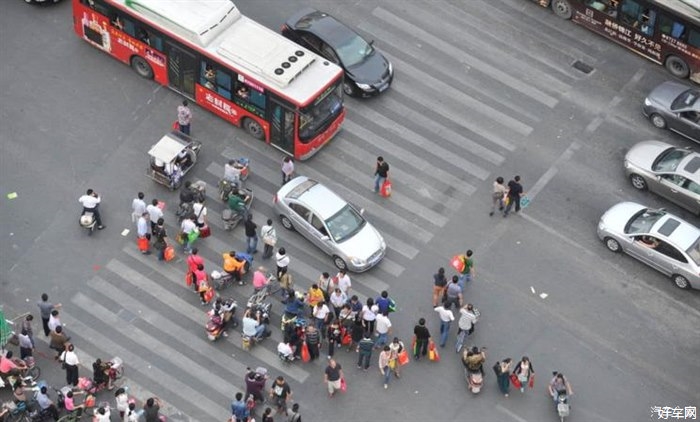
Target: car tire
339, 263
680, 281
562, 8
612, 244
349, 88
253, 128
286, 222
638, 182
677, 67
658, 121
141, 66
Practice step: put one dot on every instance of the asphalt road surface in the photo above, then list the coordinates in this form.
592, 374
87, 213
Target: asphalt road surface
482, 89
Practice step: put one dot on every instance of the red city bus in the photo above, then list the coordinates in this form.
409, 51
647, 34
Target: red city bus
664, 31
227, 63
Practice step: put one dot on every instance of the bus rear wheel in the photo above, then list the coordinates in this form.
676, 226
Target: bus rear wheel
141, 66
562, 8
677, 66
253, 128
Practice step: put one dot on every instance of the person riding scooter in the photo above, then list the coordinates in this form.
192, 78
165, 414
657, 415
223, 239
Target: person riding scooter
101, 373
232, 172
474, 359
558, 386
253, 325
234, 266
237, 203
259, 279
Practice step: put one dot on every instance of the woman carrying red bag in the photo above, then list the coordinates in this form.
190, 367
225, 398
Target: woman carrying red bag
523, 374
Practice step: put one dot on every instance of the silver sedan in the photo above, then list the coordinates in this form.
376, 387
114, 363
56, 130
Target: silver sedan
674, 106
667, 171
331, 223
659, 239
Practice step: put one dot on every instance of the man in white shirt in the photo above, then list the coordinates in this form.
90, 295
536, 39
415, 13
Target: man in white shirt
446, 317
344, 282
91, 201
232, 173
383, 327
285, 351
200, 212
138, 207
154, 212
338, 300
467, 318
54, 320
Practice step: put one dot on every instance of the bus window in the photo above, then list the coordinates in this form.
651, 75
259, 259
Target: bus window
671, 28
605, 6
143, 36
694, 38
129, 27
258, 99
630, 12
116, 21
647, 20
215, 79
223, 84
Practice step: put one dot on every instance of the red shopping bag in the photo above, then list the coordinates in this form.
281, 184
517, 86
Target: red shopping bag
346, 340
514, 380
403, 357
169, 253
143, 244
189, 276
209, 295
457, 262
305, 355
531, 382
433, 354
385, 190
343, 385
176, 125
205, 231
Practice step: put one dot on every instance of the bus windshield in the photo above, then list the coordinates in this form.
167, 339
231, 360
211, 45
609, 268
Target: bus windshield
314, 118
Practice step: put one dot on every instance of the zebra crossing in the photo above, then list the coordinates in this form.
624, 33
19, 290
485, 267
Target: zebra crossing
463, 100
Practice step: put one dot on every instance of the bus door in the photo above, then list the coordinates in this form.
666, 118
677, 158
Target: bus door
282, 127
182, 69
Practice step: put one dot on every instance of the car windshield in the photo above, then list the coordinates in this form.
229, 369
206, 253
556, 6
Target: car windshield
694, 252
669, 159
685, 100
354, 50
643, 221
316, 117
345, 223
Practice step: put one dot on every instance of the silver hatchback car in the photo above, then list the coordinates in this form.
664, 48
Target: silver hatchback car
331, 223
655, 237
671, 172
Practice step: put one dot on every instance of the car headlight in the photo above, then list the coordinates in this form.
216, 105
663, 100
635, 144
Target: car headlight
364, 87
627, 164
647, 102
391, 69
358, 262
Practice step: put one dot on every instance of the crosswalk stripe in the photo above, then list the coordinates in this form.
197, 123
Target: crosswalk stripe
424, 185
406, 136
194, 313
469, 146
401, 43
470, 26
417, 83
353, 184
465, 58
394, 150
400, 247
148, 369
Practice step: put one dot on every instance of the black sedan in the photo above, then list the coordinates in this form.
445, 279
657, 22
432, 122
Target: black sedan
367, 71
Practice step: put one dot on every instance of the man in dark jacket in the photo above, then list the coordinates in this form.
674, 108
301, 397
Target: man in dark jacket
515, 191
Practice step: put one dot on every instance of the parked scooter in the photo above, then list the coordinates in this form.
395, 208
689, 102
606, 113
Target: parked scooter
220, 318
88, 222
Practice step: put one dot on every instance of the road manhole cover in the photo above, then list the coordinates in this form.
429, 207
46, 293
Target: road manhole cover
583, 67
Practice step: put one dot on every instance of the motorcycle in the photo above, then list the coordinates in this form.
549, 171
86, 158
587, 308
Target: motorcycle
88, 222
115, 371
563, 408
221, 279
232, 218
475, 380
257, 306
216, 325
198, 191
